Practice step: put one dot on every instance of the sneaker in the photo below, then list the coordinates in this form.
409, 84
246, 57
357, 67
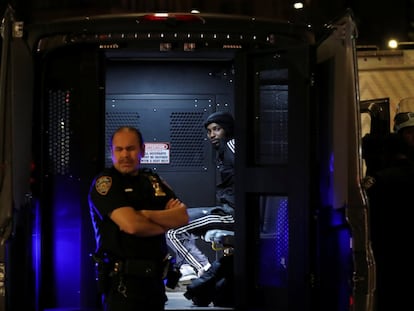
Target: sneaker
205, 268
187, 273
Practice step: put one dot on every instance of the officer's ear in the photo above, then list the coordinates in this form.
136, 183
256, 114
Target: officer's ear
142, 152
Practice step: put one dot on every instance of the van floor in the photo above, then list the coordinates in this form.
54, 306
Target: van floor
177, 301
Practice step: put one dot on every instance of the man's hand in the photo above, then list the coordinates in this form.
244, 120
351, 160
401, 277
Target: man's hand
174, 215
175, 203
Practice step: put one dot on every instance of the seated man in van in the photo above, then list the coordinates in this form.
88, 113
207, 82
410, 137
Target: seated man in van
189, 258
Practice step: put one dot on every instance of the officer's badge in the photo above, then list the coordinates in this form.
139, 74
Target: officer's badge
103, 184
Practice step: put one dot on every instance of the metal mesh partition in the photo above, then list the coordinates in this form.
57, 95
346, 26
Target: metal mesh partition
274, 108
274, 241
59, 132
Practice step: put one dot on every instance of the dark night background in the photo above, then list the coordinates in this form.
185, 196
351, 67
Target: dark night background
377, 21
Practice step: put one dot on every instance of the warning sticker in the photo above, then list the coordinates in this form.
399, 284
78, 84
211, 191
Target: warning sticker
156, 153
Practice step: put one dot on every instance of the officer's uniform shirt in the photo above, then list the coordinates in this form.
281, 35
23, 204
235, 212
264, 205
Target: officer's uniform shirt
111, 190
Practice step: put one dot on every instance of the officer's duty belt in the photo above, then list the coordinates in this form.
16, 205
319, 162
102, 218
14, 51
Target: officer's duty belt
139, 268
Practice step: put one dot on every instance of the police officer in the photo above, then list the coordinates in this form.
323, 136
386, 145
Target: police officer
390, 193
131, 209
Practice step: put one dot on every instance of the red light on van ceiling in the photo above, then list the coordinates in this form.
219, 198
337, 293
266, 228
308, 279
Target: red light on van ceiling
171, 16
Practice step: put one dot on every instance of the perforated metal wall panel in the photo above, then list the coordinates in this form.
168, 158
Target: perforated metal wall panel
187, 135
59, 132
176, 121
169, 101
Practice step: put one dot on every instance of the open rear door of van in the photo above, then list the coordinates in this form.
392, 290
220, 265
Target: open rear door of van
338, 97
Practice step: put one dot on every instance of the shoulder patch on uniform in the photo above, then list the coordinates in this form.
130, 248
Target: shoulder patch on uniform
103, 184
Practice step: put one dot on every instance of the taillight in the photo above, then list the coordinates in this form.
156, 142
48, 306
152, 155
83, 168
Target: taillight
179, 17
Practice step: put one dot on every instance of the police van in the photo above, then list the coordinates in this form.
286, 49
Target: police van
302, 229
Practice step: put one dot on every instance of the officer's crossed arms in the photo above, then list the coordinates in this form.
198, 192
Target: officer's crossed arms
151, 222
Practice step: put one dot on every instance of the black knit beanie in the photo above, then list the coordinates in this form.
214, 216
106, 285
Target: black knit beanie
224, 119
